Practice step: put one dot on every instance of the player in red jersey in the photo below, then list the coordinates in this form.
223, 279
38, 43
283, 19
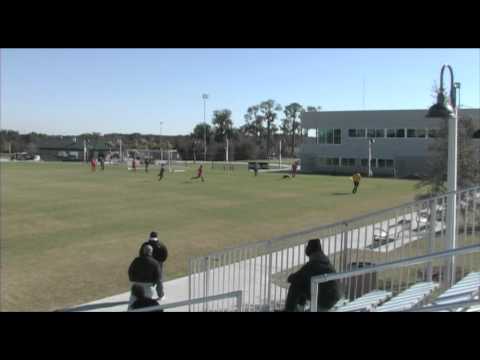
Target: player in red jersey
199, 174
93, 164
294, 168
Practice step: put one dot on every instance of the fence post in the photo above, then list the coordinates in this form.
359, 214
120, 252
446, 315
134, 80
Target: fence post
269, 282
205, 290
433, 223
239, 301
344, 254
190, 267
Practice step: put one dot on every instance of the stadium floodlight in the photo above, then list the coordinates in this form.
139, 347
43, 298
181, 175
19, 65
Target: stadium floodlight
449, 112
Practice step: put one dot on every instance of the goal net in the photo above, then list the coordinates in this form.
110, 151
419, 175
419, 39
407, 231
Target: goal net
170, 159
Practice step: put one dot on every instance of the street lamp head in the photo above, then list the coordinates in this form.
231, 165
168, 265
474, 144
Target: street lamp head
204, 96
443, 109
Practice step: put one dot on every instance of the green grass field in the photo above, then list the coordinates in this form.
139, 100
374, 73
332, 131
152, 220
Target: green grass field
68, 235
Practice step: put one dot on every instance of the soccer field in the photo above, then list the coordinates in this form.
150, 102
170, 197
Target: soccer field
68, 235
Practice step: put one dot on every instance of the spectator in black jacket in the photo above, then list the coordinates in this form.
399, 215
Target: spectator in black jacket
299, 291
146, 272
141, 300
160, 252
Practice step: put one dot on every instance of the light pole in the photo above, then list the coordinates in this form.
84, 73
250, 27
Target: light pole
449, 112
457, 86
160, 141
370, 142
204, 97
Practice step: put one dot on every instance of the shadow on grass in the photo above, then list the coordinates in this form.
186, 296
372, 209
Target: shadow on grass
336, 193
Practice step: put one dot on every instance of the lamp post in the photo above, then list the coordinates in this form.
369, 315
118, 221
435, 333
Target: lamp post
204, 97
370, 142
457, 86
449, 112
160, 141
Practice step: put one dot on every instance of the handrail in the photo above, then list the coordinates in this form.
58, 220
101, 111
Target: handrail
393, 264
233, 294
333, 225
456, 305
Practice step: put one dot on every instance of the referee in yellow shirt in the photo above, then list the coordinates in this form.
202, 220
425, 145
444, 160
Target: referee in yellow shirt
356, 181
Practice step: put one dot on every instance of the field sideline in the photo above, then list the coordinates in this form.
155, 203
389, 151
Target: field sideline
68, 235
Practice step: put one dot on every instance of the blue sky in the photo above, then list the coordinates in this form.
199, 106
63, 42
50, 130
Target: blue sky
71, 91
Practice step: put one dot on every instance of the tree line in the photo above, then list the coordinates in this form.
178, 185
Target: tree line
266, 124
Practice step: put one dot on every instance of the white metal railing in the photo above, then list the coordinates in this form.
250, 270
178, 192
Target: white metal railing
456, 305
237, 295
260, 269
396, 265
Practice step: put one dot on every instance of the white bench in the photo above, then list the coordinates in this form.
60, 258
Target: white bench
409, 298
366, 302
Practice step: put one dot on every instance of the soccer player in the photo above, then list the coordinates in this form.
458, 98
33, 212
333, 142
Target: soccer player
146, 164
162, 171
255, 168
356, 181
199, 174
93, 164
102, 162
134, 165
294, 168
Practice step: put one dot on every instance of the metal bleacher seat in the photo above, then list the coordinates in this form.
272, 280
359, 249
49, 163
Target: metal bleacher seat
366, 302
466, 289
409, 298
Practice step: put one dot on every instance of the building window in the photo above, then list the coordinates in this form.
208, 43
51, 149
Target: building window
333, 161
400, 133
379, 133
381, 163
373, 163
432, 133
371, 133
389, 163
329, 136
421, 133
322, 136
359, 133
321, 161
348, 162
337, 136
391, 133
364, 162
411, 133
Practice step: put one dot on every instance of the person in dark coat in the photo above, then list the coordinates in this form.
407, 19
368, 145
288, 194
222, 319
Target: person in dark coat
141, 300
146, 272
299, 291
160, 252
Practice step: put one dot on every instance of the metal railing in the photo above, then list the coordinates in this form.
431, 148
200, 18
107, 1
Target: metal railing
396, 265
237, 295
260, 269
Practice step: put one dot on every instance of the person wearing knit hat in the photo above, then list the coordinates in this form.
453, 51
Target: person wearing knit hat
160, 252
299, 291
